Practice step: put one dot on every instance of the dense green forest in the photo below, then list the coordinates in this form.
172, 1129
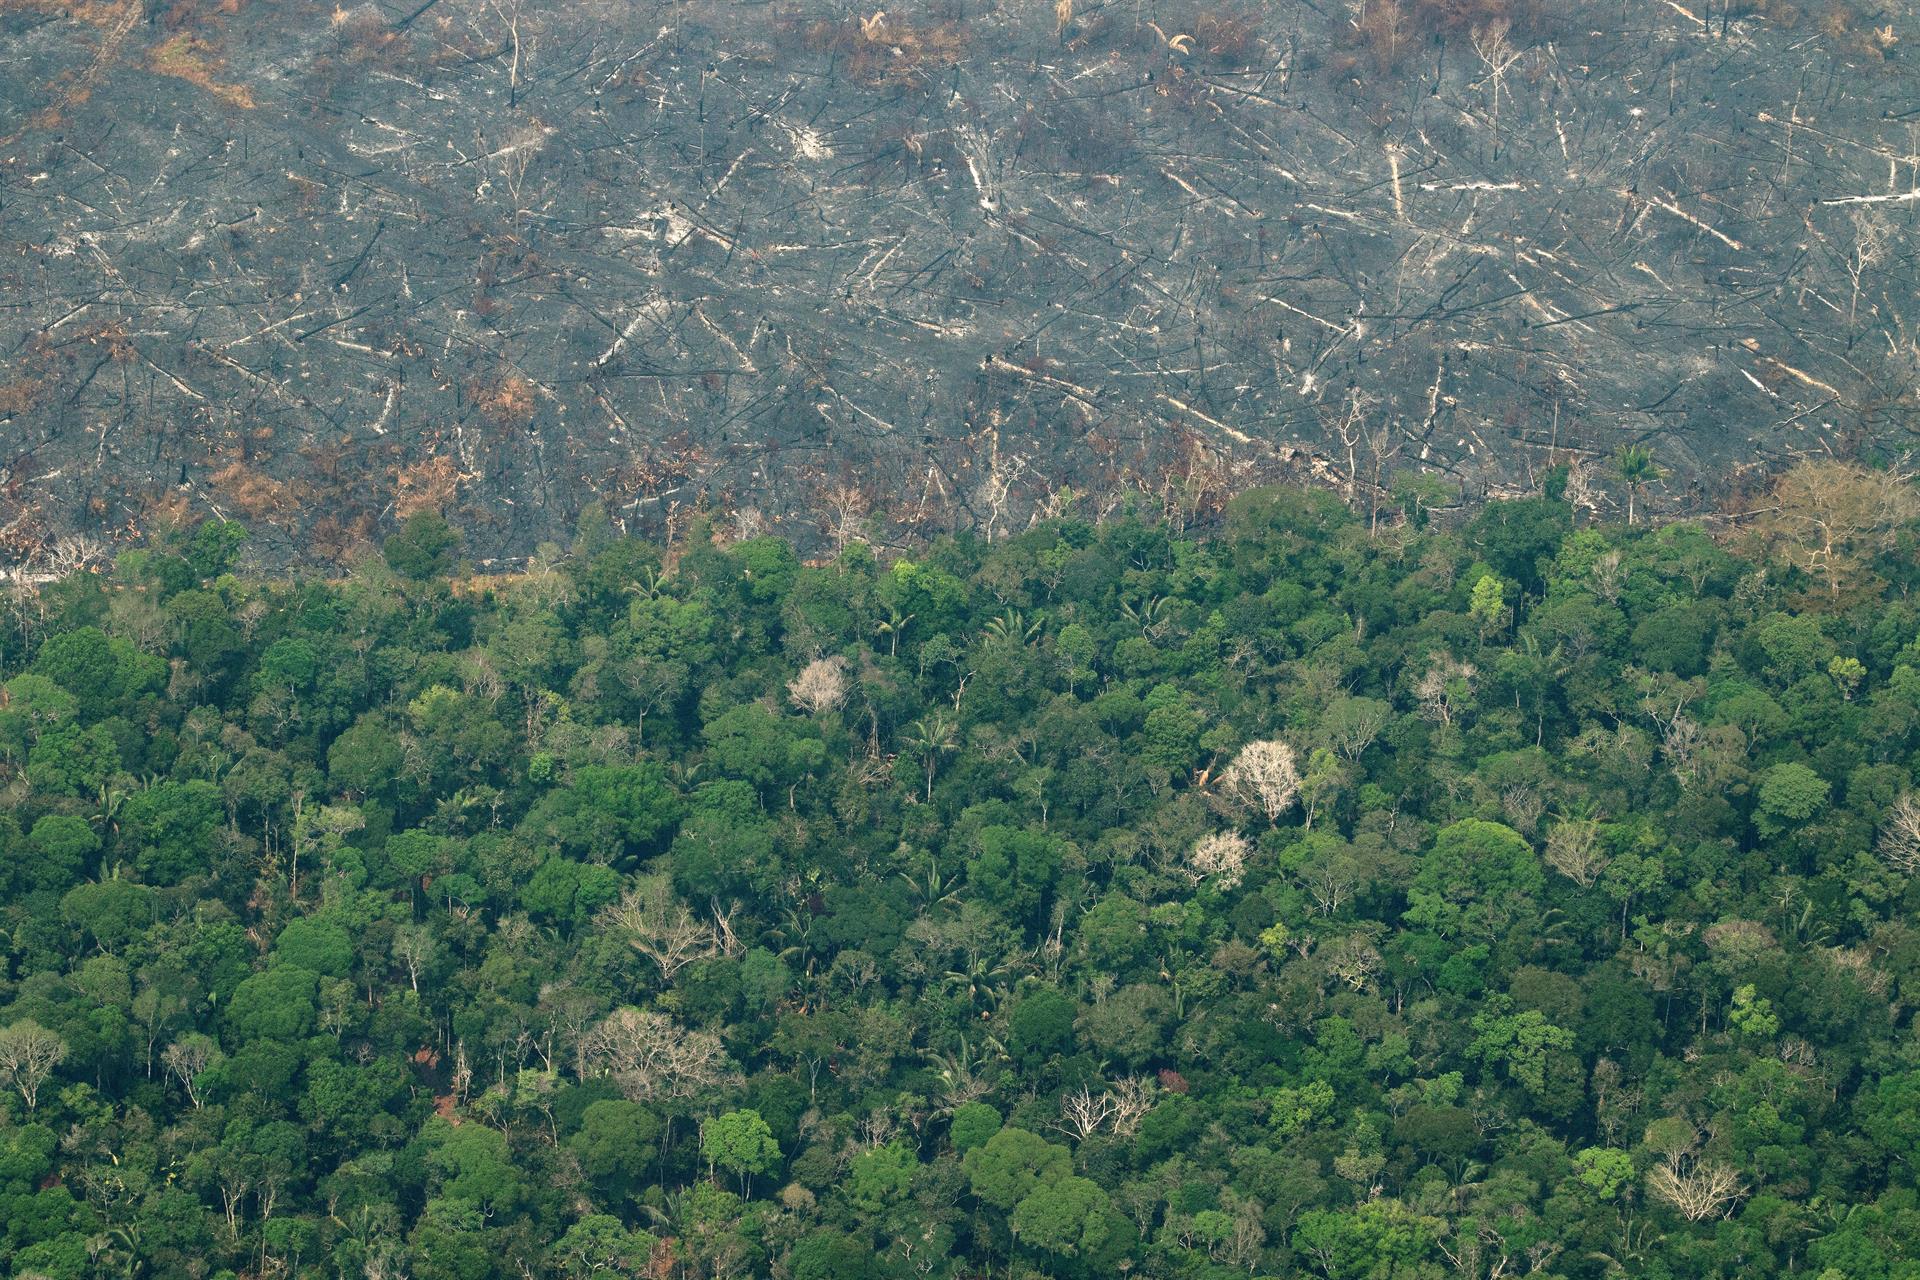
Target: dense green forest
1317, 894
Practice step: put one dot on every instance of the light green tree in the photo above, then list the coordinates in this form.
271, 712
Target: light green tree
1605, 1171
1518, 1042
1752, 1014
1072, 1216
1012, 1164
741, 1142
1488, 605
1325, 779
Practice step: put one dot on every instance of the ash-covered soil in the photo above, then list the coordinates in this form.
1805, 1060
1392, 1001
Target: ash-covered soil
316, 267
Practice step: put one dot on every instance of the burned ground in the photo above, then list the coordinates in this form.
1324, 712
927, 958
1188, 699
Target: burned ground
316, 267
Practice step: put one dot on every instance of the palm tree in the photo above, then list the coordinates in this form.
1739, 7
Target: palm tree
932, 738
960, 1072
1638, 469
648, 585
1150, 617
934, 889
1011, 628
106, 816
891, 626
983, 980
116, 1251
113, 793
796, 931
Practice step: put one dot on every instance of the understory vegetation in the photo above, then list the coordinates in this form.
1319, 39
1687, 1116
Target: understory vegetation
1316, 895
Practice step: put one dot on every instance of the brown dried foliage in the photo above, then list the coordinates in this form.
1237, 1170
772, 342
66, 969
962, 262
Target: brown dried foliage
506, 400
428, 485
656, 471
95, 13
1231, 39
22, 532
896, 148
189, 13
330, 538
1461, 16
891, 50
194, 60
1860, 35
1777, 12
1390, 30
1201, 36
1829, 520
1866, 29
311, 195
253, 494
1387, 33
19, 395
169, 510
360, 38
113, 335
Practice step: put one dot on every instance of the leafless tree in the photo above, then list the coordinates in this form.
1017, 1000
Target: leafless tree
1083, 1112
1221, 857
1688, 749
1573, 849
648, 1056
1829, 518
652, 683
1352, 724
73, 552
1522, 804
1265, 776
188, 1059
462, 1079
1497, 54
1899, 844
821, 685
567, 1012
876, 1128
28, 1054
413, 946
659, 926
1698, 1189
991, 497
1614, 1103
855, 968
1330, 879
1581, 493
1872, 238
511, 160
846, 506
1133, 1097
236, 1180
1242, 1248
724, 937
319, 832
1120, 1107
508, 12
1444, 689
1608, 576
